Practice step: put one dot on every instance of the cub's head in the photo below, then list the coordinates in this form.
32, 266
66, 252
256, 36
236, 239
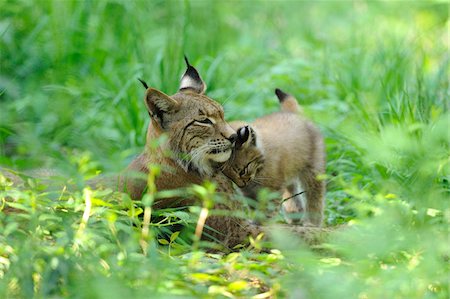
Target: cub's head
247, 159
197, 133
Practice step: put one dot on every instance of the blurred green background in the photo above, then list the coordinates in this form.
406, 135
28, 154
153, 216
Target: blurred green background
374, 76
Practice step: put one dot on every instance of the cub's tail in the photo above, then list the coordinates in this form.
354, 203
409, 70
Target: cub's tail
287, 102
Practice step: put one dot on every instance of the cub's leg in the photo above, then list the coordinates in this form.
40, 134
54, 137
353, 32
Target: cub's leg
315, 196
293, 208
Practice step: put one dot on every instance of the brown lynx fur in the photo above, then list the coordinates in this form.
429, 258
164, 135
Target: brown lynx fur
281, 151
198, 141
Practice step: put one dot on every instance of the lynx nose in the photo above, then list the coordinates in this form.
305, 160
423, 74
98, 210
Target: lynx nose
233, 138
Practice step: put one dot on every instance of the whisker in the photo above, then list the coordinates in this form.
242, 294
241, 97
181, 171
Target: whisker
226, 100
194, 154
197, 152
258, 182
263, 179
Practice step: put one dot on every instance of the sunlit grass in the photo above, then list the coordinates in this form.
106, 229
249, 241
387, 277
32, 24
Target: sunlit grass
372, 75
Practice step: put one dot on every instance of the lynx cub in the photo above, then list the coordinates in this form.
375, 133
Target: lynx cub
280, 151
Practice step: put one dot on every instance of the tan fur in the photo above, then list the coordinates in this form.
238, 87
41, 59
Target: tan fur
195, 128
289, 152
289, 104
184, 138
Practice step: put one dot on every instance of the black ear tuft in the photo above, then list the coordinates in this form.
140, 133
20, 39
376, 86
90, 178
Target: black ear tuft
143, 83
281, 94
187, 61
191, 79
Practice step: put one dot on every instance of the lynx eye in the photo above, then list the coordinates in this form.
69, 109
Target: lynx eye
242, 172
204, 122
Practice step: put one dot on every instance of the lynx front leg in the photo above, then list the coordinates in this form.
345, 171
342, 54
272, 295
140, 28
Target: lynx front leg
229, 231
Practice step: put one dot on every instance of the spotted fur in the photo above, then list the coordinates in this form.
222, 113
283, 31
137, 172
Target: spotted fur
197, 142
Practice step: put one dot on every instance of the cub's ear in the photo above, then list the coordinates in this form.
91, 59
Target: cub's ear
281, 95
287, 102
159, 105
245, 136
191, 80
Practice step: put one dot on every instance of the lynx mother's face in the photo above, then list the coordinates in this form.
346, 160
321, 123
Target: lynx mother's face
199, 137
200, 132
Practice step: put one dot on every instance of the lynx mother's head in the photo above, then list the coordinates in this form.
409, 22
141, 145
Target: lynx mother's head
198, 136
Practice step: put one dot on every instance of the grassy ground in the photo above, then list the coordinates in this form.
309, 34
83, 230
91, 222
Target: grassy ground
372, 75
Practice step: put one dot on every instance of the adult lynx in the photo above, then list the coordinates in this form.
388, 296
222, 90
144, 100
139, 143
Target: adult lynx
198, 142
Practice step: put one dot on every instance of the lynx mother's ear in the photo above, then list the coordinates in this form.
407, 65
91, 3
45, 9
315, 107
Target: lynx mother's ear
143, 83
191, 80
159, 105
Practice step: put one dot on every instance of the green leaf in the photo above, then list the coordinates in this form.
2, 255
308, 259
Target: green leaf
18, 206
182, 215
163, 241
205, 277
101, 203
45, 217
174, 236
135, 212
237, 285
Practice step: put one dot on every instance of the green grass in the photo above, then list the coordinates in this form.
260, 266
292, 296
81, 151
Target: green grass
372, 75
